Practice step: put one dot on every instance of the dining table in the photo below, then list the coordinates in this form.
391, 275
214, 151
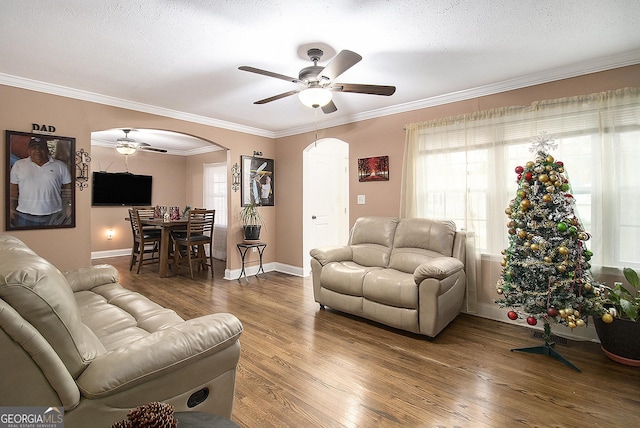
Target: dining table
165, 241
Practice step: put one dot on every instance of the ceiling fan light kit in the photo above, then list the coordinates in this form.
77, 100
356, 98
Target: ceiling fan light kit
315, 97
318, 82
128, 146
126, 149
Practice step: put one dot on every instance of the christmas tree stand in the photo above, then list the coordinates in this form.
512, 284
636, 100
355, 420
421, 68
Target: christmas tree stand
547, 349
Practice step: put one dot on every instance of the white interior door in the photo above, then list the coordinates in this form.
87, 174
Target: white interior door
326, 188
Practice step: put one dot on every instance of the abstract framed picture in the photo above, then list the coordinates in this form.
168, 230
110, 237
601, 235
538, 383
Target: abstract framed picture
373, 169
39, 181
257, 185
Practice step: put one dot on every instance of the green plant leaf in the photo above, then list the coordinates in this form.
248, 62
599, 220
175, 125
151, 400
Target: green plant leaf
629, 309
631, 276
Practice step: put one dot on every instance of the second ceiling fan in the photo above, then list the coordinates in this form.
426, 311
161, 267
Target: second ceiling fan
318, 82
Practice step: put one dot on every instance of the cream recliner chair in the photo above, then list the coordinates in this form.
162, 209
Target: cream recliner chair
406, 273
80, 341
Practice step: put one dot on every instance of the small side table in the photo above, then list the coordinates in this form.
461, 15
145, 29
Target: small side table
243, 247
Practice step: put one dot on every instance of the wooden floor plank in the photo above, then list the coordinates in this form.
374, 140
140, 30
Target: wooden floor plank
302, 366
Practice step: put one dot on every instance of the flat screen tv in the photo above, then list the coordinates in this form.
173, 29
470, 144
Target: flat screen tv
111, 189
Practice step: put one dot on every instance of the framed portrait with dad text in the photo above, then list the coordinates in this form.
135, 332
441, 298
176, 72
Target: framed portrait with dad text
40, 181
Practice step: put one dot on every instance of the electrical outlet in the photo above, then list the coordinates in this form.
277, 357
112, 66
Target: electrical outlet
254, 250
361, 200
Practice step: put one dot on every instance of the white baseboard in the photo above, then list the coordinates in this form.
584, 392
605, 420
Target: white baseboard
496, 313
110, 253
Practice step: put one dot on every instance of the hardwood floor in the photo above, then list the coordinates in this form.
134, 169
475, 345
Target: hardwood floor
305, 367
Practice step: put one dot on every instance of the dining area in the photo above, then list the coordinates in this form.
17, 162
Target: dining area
172, 238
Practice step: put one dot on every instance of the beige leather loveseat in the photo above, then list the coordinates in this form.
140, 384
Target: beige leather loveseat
407, 273
81, 341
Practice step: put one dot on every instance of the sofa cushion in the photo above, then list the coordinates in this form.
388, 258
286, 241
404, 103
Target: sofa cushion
119, 316
419, 240
371, 240
39, 292
345, 277
391, 287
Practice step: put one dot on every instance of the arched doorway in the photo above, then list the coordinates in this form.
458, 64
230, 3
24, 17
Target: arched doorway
180, 178
325, 196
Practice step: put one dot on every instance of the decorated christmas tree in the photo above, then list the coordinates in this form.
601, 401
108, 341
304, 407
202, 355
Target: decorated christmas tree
546, 273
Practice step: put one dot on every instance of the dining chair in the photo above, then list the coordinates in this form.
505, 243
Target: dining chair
190, 245
145, 242
146, 212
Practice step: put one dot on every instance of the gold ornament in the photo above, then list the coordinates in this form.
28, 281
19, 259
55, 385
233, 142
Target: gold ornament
549, 159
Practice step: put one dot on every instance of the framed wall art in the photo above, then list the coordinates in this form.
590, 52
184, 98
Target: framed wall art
257, 181
373, 169
39, 181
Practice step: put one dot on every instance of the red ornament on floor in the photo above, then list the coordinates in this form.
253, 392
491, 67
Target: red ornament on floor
513, 315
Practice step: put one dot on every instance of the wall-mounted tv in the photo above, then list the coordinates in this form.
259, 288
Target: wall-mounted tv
120, 189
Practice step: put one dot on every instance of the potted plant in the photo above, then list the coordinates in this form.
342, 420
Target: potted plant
619, 326
252, 221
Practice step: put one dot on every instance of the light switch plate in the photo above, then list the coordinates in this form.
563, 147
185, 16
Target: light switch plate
361, 199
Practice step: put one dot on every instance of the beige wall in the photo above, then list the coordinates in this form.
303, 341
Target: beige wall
386, 136
71, 248
177, 180
283, 232
169, 188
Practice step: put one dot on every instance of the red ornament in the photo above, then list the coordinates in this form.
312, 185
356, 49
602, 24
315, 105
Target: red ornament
552, 312
512, 315
528, 176
532, 320
559, 163
519, 170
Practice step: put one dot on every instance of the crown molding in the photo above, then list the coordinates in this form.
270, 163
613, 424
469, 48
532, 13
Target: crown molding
573, 70
65, 91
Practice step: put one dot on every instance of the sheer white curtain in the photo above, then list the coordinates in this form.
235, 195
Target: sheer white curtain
462, 168
215, 197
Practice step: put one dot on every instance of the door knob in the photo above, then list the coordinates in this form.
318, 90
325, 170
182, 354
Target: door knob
313, 217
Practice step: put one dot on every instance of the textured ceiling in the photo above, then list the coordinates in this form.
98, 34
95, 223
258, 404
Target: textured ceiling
181, 57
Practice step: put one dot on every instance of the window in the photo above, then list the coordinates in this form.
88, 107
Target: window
215, 191
462, 169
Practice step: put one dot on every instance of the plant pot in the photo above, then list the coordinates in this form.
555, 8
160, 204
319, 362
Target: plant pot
251, 232
620, 340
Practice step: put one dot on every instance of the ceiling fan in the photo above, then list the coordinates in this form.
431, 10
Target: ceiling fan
129, 146
318, 82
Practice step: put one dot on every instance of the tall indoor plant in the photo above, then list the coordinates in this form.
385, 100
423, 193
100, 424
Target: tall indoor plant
252, 221
619, 327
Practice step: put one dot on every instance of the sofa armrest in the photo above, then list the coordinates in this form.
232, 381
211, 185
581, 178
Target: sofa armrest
90, 277
161, 352
326, 255
438, 268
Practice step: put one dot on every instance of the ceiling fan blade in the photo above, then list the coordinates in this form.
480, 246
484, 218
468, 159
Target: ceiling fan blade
339, 64
269, 73
363, 89
329, 108
276, 97
153, 149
